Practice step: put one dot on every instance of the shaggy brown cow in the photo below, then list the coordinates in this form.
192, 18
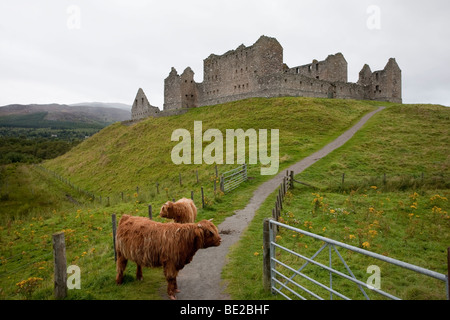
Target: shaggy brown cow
155, 244
182, 211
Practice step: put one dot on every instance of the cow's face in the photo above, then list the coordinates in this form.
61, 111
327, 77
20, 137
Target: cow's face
166, 210
211, 236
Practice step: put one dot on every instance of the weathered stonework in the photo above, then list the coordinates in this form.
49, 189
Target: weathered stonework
259, 71
142, 108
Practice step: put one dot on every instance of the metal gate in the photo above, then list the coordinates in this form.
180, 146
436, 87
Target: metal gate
275, 280
232, 179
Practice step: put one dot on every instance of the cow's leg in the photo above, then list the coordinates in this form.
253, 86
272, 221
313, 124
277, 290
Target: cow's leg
121, 264
176, 286
170, 272
139, 273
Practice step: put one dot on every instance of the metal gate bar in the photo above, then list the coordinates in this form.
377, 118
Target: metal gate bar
270, 244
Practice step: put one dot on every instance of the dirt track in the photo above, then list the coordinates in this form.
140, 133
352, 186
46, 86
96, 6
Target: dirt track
201, 279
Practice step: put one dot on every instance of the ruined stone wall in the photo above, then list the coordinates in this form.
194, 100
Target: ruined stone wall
333, 68
382, 85
141, 107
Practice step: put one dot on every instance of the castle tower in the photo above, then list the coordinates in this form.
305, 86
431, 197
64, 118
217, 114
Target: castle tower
172, 96
393, 82
387, 83
268, 56
365, 76
180, 91
188, 89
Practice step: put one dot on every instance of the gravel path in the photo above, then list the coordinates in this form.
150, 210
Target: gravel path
201, 279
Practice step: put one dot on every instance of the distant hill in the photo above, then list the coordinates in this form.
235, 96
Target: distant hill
62, 116
103, 105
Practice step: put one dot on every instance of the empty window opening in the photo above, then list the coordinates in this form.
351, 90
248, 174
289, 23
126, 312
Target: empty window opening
317, 77
317, 67
297, 70
376, 76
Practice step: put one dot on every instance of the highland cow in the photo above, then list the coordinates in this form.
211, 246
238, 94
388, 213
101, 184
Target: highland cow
154, 244
182, 211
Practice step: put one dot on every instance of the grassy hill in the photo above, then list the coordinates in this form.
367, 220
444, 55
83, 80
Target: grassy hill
123, 157
394, 201
125, 162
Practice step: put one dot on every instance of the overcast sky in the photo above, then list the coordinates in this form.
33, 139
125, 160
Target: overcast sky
58, 51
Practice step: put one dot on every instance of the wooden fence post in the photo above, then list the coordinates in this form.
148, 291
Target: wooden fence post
157, 188
203, 199
266, 256
59, 260
217, 173
114, 235
192, 195
150, 212
196, 174
180, 180
343, 179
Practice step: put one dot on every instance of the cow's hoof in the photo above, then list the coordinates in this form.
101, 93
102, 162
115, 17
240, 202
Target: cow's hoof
172, 297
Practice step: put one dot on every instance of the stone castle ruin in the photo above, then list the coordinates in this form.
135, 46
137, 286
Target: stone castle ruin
259, 71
